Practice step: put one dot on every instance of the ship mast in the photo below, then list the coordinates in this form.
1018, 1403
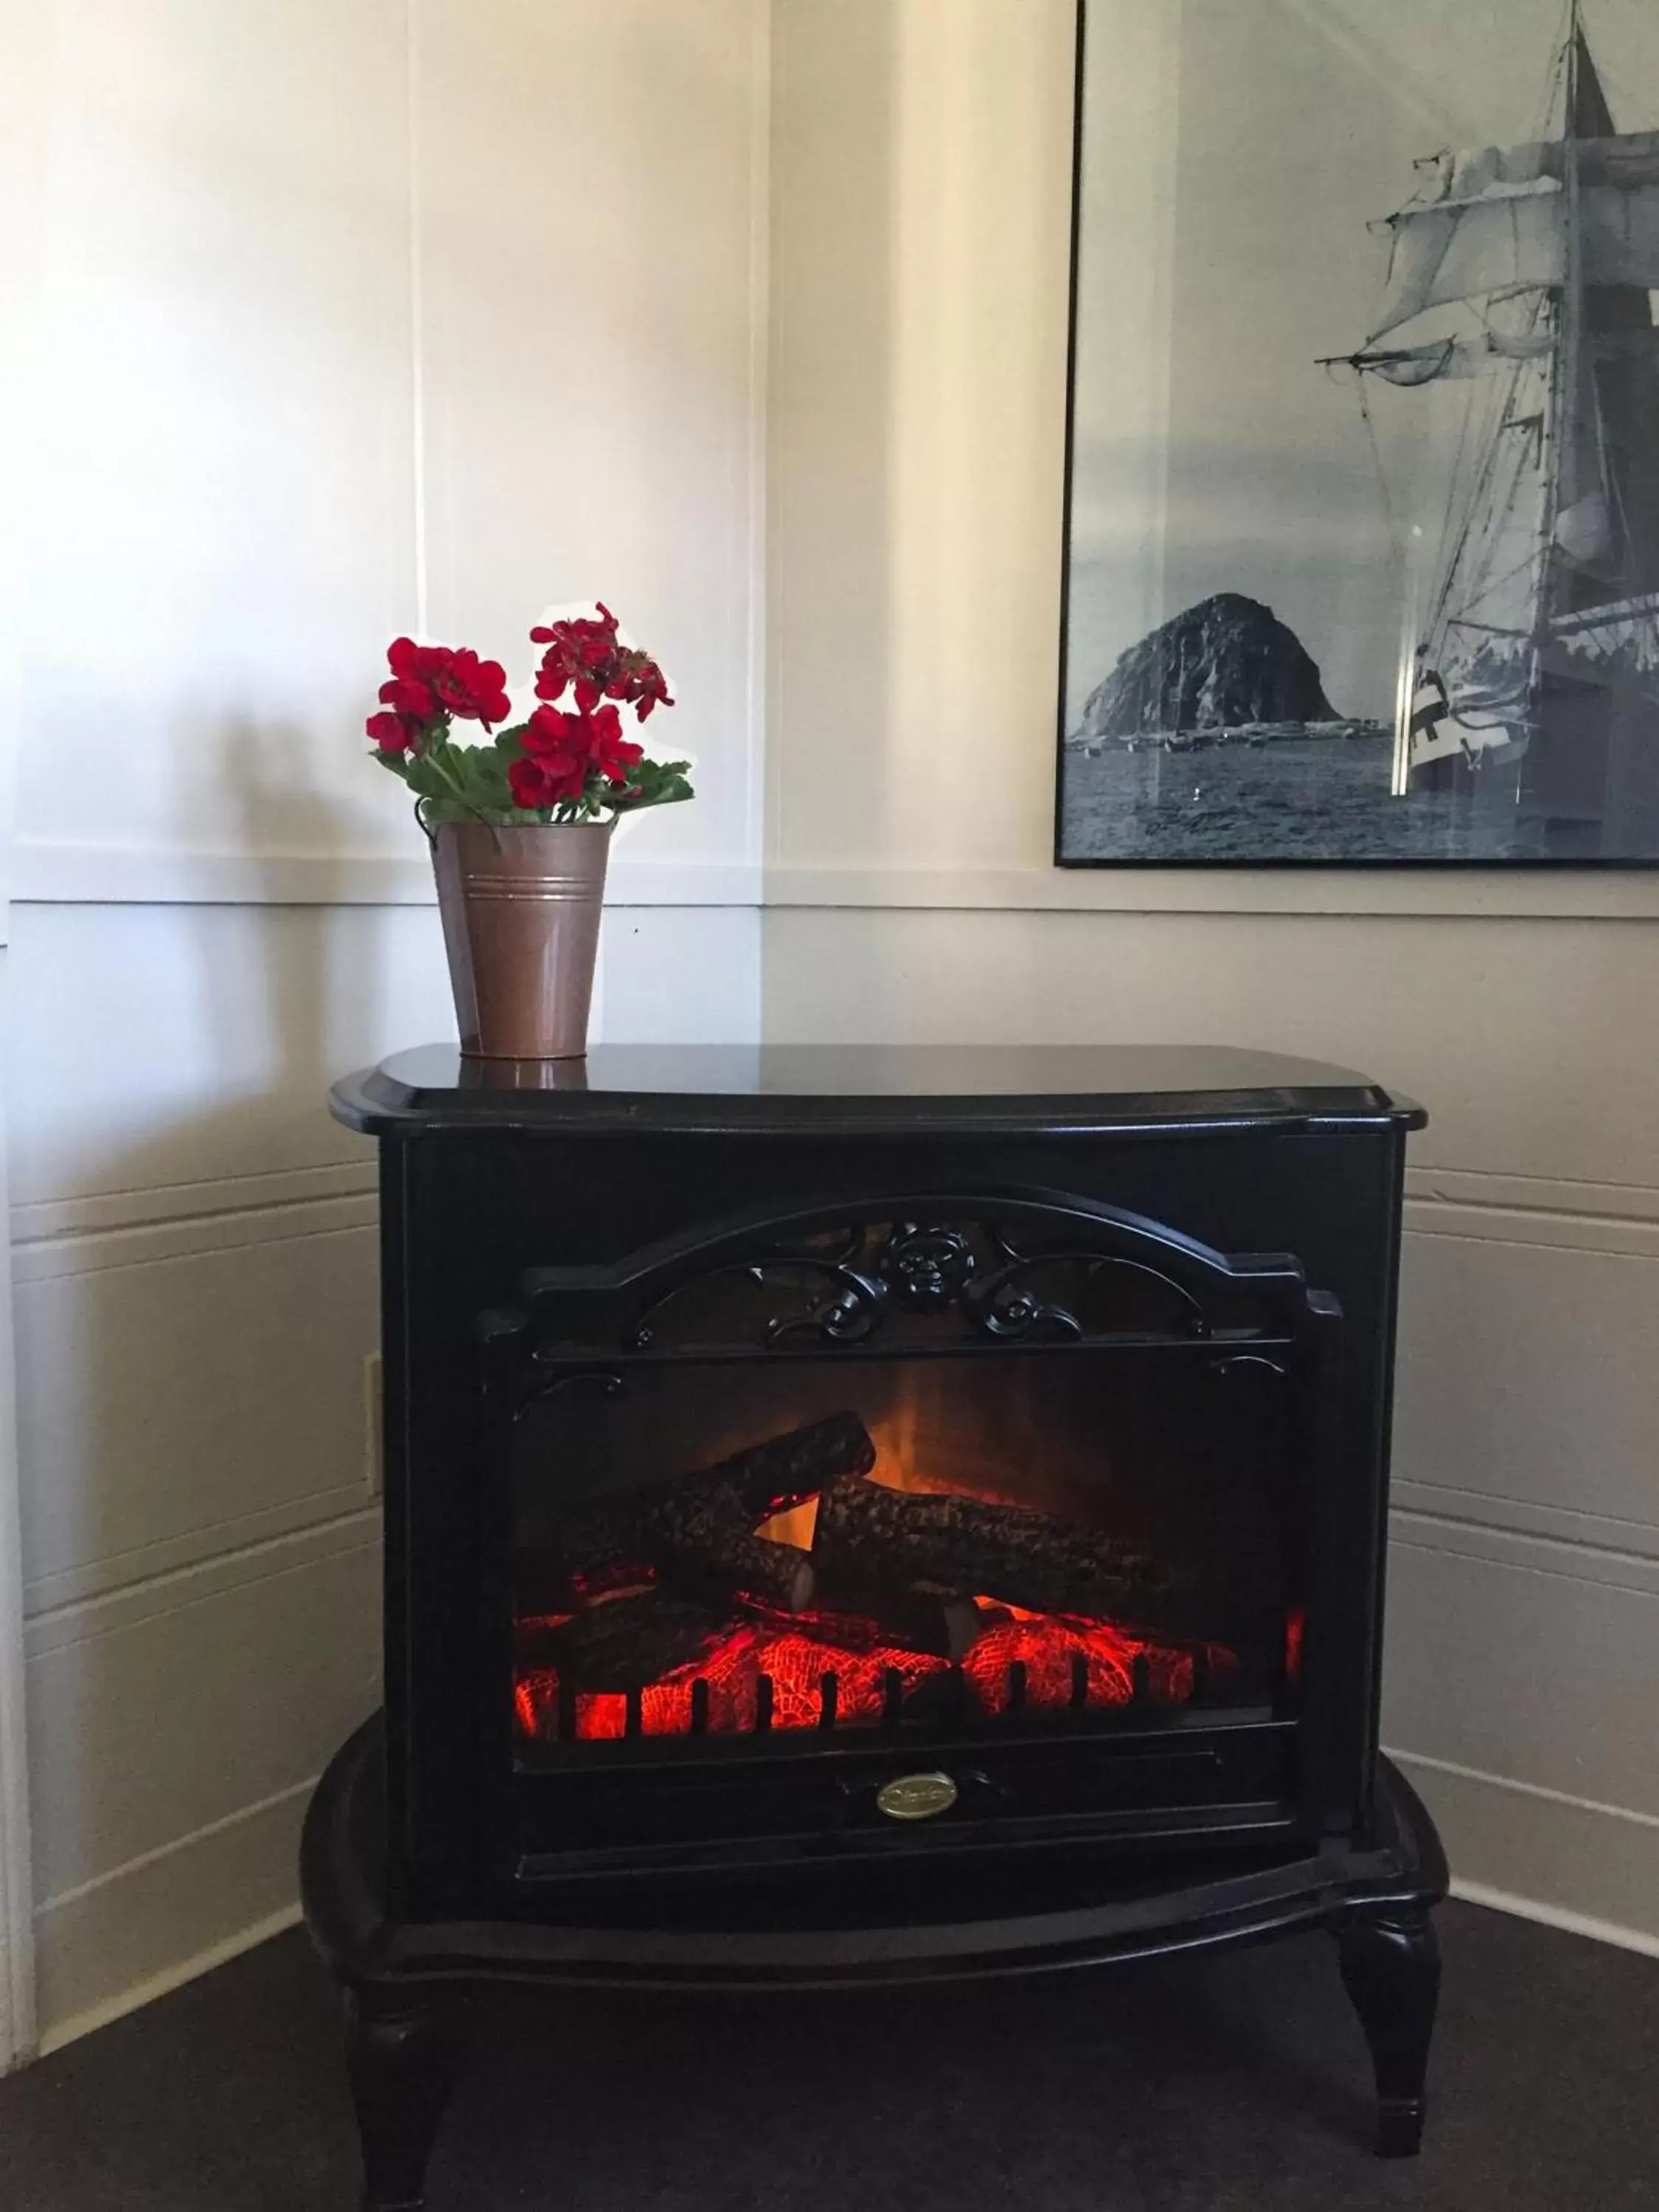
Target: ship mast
1569, 301
1592, 767
1566, 312
1563, 313
1541, 654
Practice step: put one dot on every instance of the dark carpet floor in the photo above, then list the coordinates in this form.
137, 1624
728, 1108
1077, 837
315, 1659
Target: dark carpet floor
1198, 2085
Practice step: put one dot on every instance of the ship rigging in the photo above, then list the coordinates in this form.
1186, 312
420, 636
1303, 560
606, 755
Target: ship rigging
1525, 273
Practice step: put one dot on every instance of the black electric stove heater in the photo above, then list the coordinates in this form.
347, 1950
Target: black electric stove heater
865, 1515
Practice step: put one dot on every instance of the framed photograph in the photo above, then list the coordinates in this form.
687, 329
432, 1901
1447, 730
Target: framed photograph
1361, 530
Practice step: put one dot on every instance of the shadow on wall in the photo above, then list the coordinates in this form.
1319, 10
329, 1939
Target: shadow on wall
215, 1030
834, 269
318, 1003
195, 1303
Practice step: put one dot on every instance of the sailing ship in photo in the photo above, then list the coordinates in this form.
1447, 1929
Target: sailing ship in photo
1525, 273
1435, 637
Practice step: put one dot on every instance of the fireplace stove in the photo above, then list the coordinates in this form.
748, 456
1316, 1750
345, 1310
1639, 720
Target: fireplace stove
861, 1514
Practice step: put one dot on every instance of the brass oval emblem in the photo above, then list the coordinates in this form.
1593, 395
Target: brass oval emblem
916, 1797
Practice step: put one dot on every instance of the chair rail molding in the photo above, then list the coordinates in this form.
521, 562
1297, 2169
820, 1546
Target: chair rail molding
51, 872
61, 872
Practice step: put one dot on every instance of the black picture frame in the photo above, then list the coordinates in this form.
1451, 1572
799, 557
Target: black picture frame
1570, 63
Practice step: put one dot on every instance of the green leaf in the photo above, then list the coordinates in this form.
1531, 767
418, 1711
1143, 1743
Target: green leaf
481, 772
653, 783
426, 779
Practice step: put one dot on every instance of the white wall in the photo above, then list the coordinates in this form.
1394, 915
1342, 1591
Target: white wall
343, 320
921, 183
351, 318
19, 172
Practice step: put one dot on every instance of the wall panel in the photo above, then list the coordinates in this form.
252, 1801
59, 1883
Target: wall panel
1527, 1659
160, 1047
173, 1731
350, 322
587, 187
220, 519
158, 1712
219, 1393
1516, 1033
196, 1300
1526, 1396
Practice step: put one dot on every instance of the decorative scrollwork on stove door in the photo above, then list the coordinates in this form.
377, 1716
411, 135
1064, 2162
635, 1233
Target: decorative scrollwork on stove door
914, 1275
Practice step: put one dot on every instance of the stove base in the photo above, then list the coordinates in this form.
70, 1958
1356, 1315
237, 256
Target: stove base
403, 1982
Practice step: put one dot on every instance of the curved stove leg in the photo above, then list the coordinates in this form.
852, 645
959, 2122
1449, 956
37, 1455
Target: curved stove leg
401, 2053
1391, 1970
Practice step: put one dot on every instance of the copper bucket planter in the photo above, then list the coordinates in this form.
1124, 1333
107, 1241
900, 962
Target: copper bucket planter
521, 907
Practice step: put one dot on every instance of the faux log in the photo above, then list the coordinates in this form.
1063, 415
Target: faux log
628, 1643
704, 1547
612, 1541
867, 1535
922, 1621
787, 1470
535, 1643
542, 1582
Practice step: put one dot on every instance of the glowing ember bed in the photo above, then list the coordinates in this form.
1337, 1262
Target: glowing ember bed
858, 1514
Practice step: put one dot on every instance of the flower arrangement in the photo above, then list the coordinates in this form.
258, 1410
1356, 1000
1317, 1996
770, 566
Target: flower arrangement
559, 766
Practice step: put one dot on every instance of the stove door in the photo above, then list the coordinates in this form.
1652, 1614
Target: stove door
934, 1528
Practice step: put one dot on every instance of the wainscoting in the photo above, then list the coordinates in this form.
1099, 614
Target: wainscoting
195, 1274
195, 1269
200, 1559
1524, 1607
1523, 1617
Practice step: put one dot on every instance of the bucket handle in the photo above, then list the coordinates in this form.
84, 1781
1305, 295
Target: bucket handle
431, 834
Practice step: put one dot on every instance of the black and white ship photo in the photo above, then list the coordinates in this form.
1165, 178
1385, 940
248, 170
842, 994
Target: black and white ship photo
1363, 518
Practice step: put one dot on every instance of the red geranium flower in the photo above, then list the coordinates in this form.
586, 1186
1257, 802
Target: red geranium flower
649, 690
612, 753
569, 748
561, 748
571, 765
393, 732
429, 680
548, 731
581, 651
580, 635
473, 689
637, 679
536, 781
410, 690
